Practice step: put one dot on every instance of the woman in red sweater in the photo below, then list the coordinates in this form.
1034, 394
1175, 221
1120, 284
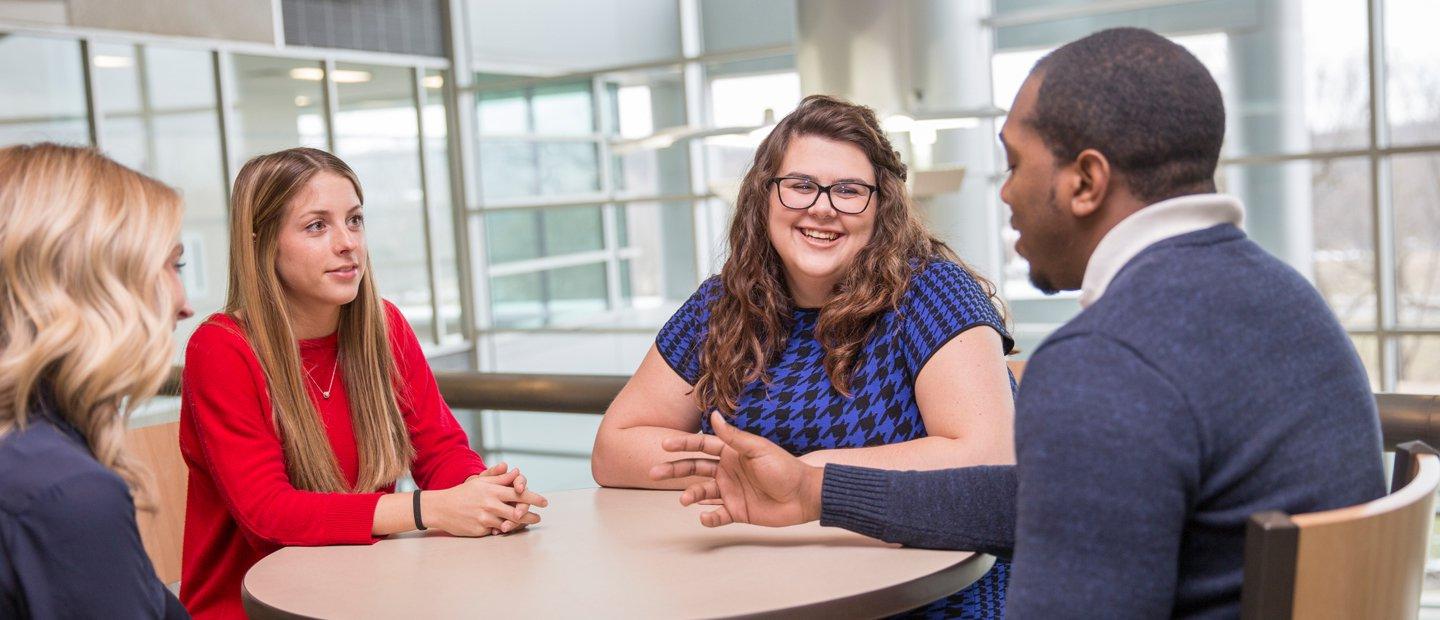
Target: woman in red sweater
307, 398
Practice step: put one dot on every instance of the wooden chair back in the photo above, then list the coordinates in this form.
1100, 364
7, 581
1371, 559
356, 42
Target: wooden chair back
162, 531
1365, 561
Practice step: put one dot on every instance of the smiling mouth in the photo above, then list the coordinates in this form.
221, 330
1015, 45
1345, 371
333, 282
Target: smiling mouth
820, 235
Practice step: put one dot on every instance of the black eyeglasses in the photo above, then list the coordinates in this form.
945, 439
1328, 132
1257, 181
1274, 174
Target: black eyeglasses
800, 193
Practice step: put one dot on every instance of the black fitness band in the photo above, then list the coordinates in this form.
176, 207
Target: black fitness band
419, 523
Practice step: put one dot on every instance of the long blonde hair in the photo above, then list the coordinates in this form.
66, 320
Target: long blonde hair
264, 190
85, 304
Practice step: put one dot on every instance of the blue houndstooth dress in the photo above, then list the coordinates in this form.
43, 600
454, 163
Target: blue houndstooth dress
801, 412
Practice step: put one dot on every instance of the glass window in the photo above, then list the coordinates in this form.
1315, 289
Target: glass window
1368, 347
1419, 365
44, 94
572, 229
1415, 191
658, 241
377, 133
279, 104
1412, 70
503, 112
518, 300
507, 169
567, 168
512, 235
647, 109
563, 109
548, 297
576, 291
441, 202
159, 116
751, 99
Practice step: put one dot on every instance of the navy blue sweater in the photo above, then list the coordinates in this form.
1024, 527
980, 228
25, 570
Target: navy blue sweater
1210, 382
69, 547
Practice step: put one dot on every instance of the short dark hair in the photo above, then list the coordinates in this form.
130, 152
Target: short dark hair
1140, 99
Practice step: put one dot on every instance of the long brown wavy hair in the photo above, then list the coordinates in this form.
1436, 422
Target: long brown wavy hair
264, 190
751, 320
85, 304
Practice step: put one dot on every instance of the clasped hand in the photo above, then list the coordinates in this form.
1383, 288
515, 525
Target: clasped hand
496, 501
751, 479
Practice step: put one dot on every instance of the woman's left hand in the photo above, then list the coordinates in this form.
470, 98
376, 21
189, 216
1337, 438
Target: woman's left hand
520, 483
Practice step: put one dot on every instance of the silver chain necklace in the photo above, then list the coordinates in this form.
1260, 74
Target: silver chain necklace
325, 391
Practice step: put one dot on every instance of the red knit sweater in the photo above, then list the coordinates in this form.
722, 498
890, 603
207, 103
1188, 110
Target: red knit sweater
241, 505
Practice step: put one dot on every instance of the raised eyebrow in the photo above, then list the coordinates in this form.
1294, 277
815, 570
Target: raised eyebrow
801, 175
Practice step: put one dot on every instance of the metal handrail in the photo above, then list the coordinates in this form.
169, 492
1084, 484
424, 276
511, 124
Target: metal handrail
1403, 417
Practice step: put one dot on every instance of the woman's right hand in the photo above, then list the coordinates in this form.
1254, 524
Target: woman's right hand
482, 505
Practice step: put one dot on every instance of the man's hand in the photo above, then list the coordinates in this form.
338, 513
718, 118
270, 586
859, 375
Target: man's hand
754, 480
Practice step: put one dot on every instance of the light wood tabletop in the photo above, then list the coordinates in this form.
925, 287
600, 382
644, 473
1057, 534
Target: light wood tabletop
610, 553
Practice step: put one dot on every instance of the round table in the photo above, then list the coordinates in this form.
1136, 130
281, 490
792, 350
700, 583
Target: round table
610, 553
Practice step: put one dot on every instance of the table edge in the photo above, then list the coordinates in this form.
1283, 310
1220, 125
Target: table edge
886, 601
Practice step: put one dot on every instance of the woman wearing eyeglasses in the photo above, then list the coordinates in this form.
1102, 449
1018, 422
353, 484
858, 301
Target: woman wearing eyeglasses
839, 328
308, 398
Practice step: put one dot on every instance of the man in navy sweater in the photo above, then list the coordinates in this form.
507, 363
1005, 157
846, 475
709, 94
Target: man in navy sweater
1204, 381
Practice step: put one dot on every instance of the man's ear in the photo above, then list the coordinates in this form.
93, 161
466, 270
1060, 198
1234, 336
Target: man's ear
1091, 181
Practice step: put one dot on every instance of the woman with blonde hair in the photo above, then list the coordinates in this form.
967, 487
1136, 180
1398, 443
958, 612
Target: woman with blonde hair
308, 397
838, 328
89, 295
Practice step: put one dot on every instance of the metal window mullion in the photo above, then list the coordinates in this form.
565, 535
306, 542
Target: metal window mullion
609, 218
94, 121
1382, 209
147, 110
693, 85
332, 102
462, 138
224, 96
417, 85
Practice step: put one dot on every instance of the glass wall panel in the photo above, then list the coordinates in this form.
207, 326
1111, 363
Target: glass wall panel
503, 112
279, 104
1419, 365
572, 229
1415, 192
574, 292
1368, 347
512, 235
507, 169
522, 234
646, 110
563, 109
377, 133
441, 203
518, 300
1412, 70
44, 94
159, 116
658, 241
567, 168
561, 295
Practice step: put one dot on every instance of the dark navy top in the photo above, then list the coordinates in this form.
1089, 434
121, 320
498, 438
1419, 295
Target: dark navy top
801, 412
69, 546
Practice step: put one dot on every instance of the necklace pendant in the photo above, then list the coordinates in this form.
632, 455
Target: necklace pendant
325, 394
